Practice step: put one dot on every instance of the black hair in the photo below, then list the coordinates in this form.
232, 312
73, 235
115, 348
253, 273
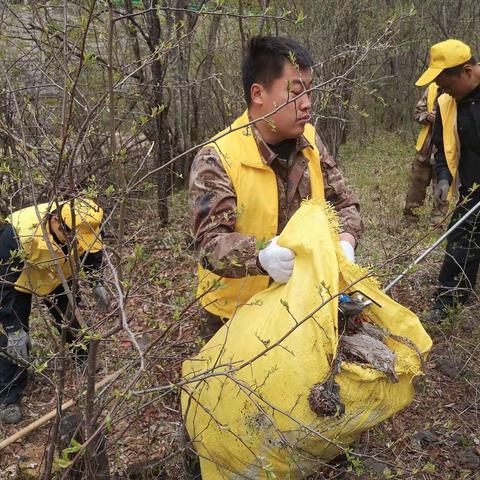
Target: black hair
265, 58
459, 68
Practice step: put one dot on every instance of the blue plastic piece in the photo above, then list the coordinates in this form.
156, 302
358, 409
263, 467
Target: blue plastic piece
343, 298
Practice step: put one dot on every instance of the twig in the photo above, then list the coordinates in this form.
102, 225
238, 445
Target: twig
52, 414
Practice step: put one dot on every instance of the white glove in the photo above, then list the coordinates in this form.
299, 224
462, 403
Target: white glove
277, 261
103, 299
348, 250
17, 344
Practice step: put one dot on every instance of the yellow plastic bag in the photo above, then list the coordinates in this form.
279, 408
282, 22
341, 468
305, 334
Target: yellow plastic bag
245, 403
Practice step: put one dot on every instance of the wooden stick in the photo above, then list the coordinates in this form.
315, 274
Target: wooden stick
48, 416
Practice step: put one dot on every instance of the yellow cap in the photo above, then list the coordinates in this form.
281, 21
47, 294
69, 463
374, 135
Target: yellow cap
447, 54
88, 221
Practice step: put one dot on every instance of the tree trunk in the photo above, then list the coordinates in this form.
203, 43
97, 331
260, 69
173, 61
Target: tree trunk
160, 130
200, 103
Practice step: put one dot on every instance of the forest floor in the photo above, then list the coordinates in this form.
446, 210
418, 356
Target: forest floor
436, 437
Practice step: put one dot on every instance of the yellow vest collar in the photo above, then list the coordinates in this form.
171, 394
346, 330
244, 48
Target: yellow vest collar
267, 155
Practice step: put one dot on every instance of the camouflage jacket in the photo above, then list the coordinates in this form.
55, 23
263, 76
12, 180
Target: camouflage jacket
212, 202
420, 116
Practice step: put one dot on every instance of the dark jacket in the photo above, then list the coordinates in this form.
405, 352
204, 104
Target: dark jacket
11, 265
468, 127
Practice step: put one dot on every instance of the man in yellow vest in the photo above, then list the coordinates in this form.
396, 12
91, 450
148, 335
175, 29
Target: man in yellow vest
422, 171
457, 164
39, 246
247, 183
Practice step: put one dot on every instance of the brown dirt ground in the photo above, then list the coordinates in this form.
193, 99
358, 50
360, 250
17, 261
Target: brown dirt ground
437, 437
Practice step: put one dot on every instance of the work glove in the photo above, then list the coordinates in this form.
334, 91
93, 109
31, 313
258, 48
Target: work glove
17, 344
348, 250
277, 261
441, 192
102, 299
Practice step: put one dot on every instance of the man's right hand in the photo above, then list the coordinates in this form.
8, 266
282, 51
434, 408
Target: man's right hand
17, 344
431, 117
441, 192
277, 261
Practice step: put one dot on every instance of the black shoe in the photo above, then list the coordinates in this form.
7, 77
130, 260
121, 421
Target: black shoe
410, 219
437, 219
436, 316
439, 312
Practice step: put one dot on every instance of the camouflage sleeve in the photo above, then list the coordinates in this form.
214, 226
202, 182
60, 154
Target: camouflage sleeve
213, 206
339, 194
421, 112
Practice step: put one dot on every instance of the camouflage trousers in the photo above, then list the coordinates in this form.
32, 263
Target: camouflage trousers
421, 175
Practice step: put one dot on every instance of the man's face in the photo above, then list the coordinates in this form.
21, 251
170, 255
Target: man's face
289, 90
457, 85
62, 232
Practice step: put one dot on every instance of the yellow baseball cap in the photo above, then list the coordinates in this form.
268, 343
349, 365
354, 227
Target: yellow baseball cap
447, 54
88, 220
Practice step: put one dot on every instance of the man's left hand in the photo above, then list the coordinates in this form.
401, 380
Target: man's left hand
17, 344
103, 299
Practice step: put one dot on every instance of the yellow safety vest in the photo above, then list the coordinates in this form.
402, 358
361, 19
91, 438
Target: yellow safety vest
432, 94
39, 274
451, 142
256, 192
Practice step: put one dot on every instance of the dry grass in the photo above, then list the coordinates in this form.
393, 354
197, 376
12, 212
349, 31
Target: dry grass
437, 436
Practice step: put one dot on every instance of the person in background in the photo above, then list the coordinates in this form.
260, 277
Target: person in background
36, 244
423, 172
456, 136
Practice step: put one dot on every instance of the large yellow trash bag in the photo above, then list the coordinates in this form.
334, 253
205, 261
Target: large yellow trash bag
246, 398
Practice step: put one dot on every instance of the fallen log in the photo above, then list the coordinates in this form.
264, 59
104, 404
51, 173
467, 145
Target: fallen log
48, 416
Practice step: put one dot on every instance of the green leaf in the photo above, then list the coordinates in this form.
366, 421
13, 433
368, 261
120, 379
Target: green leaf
61, 463
108, 423
300, 18
110, 190
429, 468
